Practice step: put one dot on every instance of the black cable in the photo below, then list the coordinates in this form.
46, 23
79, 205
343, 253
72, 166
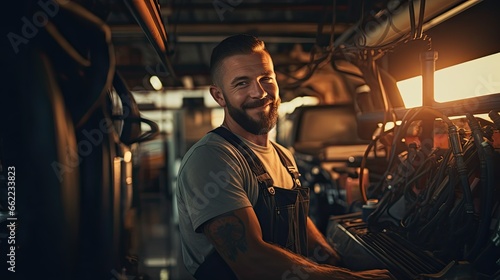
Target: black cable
485, 153
419, 31
385, 98
411, 9
464, 205
371, 145
312, 66
392, 152
426, 166
409, 195
456, 147
313, 63
409, 114
331, 45
407, 119
362, 189
441, 204
442, 208
441, 170
433, 193
495, 117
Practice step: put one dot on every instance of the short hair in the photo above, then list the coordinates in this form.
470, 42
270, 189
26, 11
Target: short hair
234, 45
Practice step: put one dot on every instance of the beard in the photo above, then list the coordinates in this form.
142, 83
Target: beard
266, 121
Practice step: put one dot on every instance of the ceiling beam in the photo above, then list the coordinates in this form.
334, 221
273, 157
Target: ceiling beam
262, 29
170, 10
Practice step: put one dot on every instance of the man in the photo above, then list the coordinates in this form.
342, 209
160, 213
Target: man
233, 224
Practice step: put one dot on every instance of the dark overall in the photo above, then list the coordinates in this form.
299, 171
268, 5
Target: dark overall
282, 213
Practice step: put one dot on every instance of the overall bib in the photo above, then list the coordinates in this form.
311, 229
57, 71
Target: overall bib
282, 213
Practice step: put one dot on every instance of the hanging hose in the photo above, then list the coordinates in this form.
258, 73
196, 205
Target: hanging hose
388, 200
485, 153
431, 211
456, 217
495, 117
456, 147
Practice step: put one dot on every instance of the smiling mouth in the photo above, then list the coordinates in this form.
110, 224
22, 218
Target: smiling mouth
261, 107
258, 105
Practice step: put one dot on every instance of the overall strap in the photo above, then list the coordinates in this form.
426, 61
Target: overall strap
289, 165
252, 159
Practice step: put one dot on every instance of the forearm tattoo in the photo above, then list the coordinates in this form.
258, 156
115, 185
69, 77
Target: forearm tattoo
228, 234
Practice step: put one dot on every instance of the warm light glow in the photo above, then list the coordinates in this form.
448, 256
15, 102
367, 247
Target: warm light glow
411, 91
127, 156
289, 107
473, 78
155, 82
217, 117
389, 125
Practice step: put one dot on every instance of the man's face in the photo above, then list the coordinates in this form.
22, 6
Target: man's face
250, 90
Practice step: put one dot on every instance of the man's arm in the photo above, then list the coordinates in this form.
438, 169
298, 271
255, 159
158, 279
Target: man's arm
237, 237
318, 248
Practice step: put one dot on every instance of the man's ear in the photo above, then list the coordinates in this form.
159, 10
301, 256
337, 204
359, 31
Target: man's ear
217, 95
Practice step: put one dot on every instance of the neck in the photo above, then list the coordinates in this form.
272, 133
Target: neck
261, 140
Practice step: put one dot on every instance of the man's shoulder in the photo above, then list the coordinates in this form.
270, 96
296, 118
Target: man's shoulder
210, 145
210, 140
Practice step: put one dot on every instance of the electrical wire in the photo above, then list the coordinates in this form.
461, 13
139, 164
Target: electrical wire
411, 10
441, 216
426, 204
313, 64
495, 117
371, 145
485, 154
331, 45
387, 106
393, 181
419, 31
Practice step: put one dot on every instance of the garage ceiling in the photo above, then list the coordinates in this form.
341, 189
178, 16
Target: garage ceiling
292, 29
289, 28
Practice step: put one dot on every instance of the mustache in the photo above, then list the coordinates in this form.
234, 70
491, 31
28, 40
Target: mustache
259, 103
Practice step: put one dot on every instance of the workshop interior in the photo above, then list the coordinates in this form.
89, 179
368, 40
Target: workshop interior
391, 109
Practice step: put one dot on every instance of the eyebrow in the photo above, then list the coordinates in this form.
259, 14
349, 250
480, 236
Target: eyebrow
244, 78
239, 79
267, 73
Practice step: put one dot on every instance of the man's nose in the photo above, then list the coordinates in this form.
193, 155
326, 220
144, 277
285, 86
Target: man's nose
257, 91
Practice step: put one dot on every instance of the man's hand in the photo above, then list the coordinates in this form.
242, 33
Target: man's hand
373, 274
325, 255
319, 249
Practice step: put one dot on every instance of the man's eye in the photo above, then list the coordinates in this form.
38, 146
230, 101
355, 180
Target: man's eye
240, 84
267, 79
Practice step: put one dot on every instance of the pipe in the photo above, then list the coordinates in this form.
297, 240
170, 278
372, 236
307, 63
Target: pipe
397, 22
428, 66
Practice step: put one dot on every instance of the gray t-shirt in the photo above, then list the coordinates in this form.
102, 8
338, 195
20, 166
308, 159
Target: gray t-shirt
214, 178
